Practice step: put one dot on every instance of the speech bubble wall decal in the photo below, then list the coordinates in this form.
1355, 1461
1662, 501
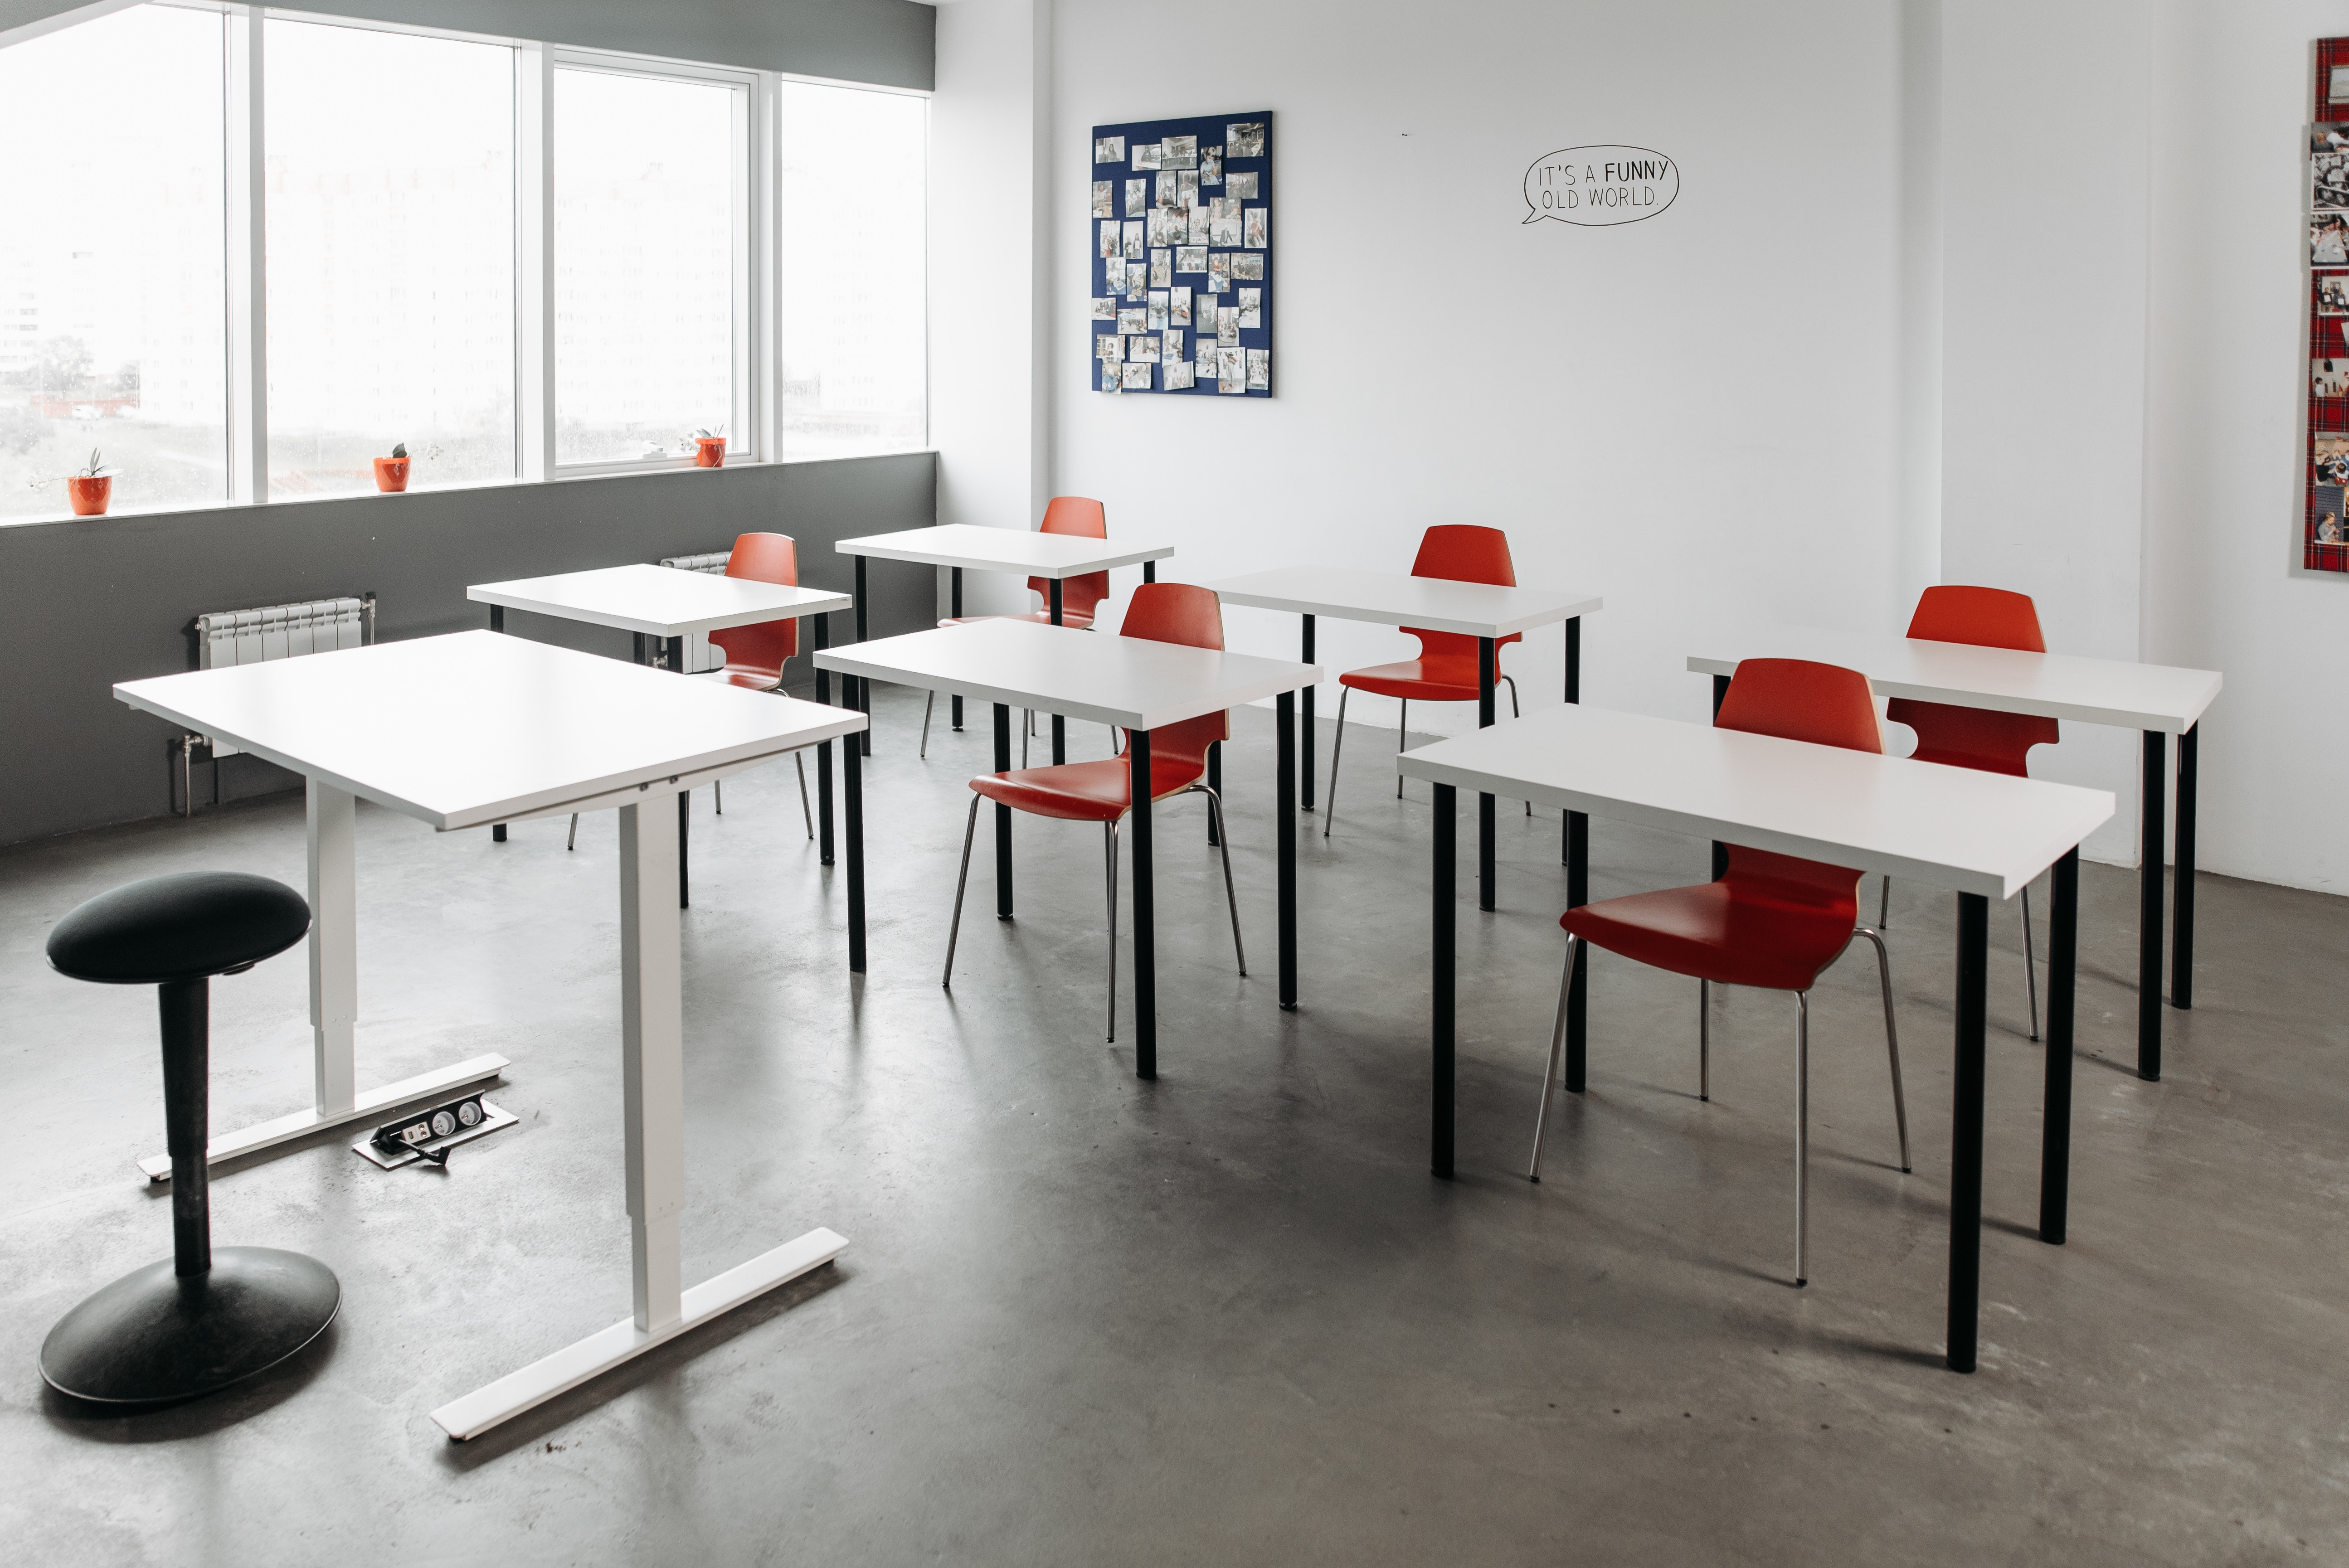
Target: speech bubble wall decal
1594, 187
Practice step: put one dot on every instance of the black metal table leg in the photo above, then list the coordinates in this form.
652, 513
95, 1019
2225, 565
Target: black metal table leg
1486, 674
1002, 815
1720, 850
497, 624
823, 750
853, 809
2181, 897
1215, 782
675, 655
1574, 694
1284, 816
1149, 572
1305, 772
1577, 995
1966, 1137
2155, 805
954, 602
861, 698
1145, 905
1441, 958
1060, 725
2063, 966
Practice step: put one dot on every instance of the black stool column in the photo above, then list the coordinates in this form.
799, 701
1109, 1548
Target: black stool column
185, 1006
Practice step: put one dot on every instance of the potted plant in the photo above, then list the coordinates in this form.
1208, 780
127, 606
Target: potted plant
391, 472
708, 451
90, 489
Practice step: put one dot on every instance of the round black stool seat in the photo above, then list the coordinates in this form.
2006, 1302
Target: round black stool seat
155, 1336
181, 927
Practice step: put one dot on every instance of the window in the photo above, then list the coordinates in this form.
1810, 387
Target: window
390, 185
854, 192
112, 223
650, 243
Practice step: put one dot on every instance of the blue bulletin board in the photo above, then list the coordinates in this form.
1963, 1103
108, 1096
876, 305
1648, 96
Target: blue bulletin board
1182, 263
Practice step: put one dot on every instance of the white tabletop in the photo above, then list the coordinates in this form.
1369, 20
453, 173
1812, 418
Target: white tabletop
476, 728
1399, 599
1004, 549
1955, 828
658, 601
2056, 685
1130, 682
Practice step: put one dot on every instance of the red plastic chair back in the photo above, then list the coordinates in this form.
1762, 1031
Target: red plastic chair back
1193, 616
1973, 737
1796, 699
1462, 552
1082, 518
762, 648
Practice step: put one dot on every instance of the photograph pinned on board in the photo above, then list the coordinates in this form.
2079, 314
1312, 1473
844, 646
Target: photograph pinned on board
2328, 240
1223, 220
1137, 196
1112, 377
1248, 267
1179, 307
1135, 239
1191, 259
1136, 376
1171, 346
1145, 154
1163, 227
1231, 370
1157, 310
1251, 309
1105, 198
1162, 268
2329, 377
1179, 153
1134, 320
1109, 346
1141, 350
1211, 166
1208, 360
1104, 309
1240, 185
1186, 189
2328, 180
2330, 451
1245, 141
1175, 376
2333, 294
1109, 150
1110, 239
1257, 231
2327, 523
1219, 273
1195, 226
1228, 326
1137, 281
1259, 369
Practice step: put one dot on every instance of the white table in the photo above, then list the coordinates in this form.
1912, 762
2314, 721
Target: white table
957, 547
2157, 700
1981, 835
1131, 682
464, 730
1484, 611
663, 605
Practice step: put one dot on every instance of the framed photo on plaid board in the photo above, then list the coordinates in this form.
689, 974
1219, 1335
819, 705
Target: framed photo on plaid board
2324, 527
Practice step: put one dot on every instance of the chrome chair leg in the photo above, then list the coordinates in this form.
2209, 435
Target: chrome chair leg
1705, 1040
1337, 751
954, 932
1556, 1050
1403, 741
1111, 1031
1891, 1043
931, 703
799, 760
572, 841
1223, 842
1802, 1136
2030, 965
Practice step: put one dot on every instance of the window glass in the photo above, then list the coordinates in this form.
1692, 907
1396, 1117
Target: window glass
391, 193
646, 240
854, 173
112, 227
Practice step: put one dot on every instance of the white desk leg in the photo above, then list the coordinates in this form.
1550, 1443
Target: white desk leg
334, 1008
652, 1037
334, 944
652, 1056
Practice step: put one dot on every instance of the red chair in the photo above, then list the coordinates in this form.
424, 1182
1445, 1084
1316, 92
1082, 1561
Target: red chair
1771, 921
1103, 791
1974, 737
755, 654
1445, 670
1082, 518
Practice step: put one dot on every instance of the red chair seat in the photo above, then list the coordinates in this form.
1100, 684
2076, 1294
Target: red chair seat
1419, 680
1080, 620
1086, 791
1726, 931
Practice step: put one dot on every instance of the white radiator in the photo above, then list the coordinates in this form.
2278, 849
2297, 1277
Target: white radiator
227, 637
699, 655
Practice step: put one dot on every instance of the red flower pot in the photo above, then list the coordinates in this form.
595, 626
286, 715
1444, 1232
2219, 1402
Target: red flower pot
89, 496
708, 451
391, 474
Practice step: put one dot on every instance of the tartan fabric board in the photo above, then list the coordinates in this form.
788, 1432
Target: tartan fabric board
2324, 528
1181, 266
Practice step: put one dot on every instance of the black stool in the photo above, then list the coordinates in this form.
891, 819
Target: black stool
201, 1320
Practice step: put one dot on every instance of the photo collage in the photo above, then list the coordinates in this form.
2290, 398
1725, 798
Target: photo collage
1181, 225
2324, 527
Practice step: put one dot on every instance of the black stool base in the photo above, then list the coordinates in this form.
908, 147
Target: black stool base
154, 1338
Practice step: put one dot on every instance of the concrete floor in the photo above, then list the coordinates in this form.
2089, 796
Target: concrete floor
1226, 1317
